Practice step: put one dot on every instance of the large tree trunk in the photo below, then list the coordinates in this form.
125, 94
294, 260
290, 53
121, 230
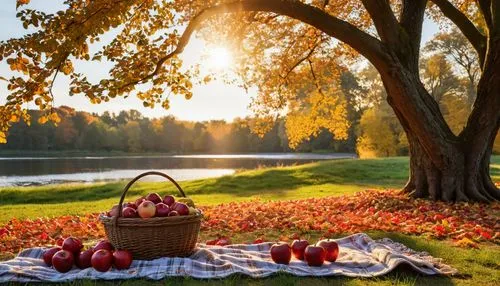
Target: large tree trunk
444, 166
465, 178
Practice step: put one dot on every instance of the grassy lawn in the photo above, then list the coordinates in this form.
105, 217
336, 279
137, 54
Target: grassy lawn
332, 178
318, 179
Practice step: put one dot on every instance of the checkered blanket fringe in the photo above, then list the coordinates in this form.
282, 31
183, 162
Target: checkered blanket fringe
360, 256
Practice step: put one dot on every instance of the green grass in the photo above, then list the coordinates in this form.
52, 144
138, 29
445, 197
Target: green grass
332, 178
336, 177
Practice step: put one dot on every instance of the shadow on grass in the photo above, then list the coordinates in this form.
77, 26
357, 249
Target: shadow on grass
62, 194
382, 173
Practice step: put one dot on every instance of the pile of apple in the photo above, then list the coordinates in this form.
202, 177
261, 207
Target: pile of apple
153, 205
314, 255
101, 257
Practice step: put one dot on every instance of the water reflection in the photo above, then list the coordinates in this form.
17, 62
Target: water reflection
30, 170
178, 174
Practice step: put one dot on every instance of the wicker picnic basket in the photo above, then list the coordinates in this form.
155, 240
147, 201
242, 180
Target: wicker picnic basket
155, 237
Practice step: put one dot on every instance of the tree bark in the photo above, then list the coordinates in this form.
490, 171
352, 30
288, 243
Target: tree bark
458, 170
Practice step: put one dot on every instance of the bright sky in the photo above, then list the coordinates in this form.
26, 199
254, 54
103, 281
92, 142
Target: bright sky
215, 100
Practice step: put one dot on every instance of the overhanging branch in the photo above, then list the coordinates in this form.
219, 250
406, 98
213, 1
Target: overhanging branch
470, 31
367, 45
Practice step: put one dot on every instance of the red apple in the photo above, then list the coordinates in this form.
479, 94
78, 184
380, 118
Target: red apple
169, 200
298, 248
72, 245
129, 212
63, 261
122, 259
315, 255
83, 259
146, 209
139, 201
281, 253
48, 254
130, 205
332, 249
173, 213
114, 211
154, 197
162, 210
102, 260
103, 244
181, 208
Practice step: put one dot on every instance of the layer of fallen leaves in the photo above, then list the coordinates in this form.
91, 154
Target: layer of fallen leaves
465, 223
19, 234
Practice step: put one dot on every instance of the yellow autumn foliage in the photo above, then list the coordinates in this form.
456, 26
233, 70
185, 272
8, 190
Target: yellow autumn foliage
376, 139
320, 110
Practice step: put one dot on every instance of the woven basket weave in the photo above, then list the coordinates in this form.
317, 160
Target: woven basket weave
154, 237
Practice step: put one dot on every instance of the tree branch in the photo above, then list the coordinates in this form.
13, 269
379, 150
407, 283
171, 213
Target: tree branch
301, 60
316, 82
367, 45
385, 22
412, 19
470, 31
484, 6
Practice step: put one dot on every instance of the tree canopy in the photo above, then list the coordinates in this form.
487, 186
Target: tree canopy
281, 47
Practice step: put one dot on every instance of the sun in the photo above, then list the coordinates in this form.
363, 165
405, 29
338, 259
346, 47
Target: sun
219, 58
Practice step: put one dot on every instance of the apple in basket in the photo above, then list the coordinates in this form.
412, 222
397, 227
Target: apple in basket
332, 249
102, 260
181, 208
154, 197
122, 259
130, 205
173, 213
114, 211
129, 212
83, 260
73, 245
146, 209
281, 253
315, 255
298, 248
169, 200
48, 254
162, 210
63, 261
139, 201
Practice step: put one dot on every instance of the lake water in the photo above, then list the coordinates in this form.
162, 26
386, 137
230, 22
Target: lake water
27, 171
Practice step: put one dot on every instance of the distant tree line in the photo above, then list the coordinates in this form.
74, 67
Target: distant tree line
130, 131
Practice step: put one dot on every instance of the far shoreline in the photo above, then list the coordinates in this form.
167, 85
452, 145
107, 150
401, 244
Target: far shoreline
87, 153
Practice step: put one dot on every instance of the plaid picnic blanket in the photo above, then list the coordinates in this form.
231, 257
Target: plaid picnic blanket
359, 256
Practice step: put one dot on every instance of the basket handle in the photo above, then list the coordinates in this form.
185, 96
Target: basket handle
127, 187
